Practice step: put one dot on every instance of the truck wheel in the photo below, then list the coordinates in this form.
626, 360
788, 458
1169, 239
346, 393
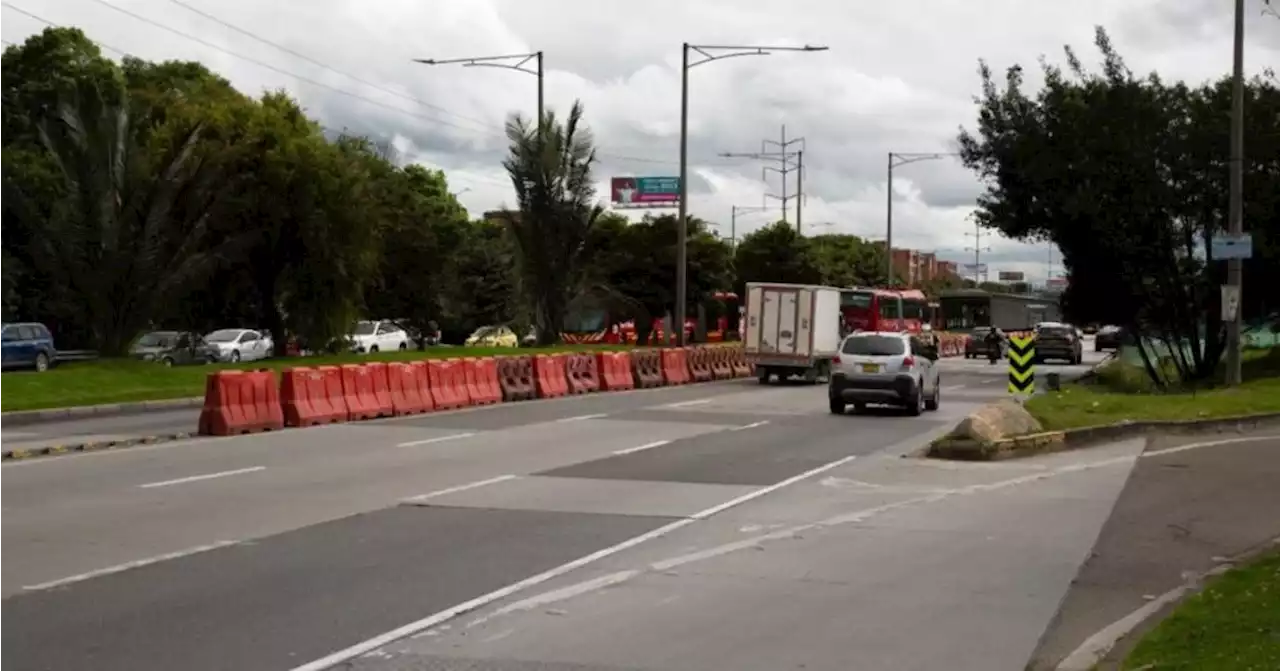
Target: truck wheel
763, 375
836, 404
811, 375
859, 408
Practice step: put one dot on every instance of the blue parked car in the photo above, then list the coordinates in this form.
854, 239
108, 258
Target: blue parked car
28, 345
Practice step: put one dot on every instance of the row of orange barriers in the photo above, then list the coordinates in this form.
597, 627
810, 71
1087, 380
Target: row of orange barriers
239, 402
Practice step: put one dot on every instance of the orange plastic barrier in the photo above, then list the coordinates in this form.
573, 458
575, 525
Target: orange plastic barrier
448, 383
550, 376
482, 380
738, 361
515, 378
311, 396
675, 366
237, 402
406, 389
699, 363
364, 386
583, 374
646, 368
721, 363
615, 371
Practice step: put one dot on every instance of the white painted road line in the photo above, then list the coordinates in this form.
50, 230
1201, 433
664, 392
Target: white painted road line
750, 426
437, 439
646, 446
1211, 443
461, 488
430, 621
129, 565
579, 418
198, 478
685, 404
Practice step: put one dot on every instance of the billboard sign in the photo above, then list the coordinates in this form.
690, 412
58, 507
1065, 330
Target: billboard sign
631, 192
1012, 276
1056, 284
975, 269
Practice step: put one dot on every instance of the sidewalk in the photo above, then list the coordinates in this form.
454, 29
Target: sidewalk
1184, 511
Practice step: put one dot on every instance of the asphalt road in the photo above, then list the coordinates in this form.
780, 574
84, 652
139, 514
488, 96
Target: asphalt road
269, 551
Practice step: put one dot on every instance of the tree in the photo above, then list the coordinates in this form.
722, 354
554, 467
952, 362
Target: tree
550, 167
775, 253
848, 260
1127, 177
483, 286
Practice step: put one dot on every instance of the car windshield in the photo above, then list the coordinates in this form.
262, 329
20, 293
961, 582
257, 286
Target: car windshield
875, 345
223, 335
365, 328
156, 340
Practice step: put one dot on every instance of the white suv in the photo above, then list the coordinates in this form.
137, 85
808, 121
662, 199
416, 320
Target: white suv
885, 368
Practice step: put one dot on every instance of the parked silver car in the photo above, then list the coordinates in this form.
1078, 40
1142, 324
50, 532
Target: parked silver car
885, 368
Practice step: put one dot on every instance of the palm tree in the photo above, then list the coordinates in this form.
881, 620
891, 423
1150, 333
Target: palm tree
550, 167
132, 227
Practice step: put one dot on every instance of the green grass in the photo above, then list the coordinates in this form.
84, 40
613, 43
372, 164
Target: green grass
127, 381
1234, 623
1121, 392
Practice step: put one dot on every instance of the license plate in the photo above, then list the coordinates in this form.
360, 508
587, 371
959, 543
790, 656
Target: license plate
871, 368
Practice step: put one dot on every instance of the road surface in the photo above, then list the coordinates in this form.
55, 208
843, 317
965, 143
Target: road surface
273, 551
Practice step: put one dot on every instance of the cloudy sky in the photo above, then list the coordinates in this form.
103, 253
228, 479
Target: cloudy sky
897, 78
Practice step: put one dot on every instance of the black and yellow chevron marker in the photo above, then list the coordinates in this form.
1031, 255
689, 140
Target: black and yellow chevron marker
1022, 364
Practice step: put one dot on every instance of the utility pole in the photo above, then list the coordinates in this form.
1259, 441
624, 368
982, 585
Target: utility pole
707, 54
977, 250
783, 157
734, 211
1235, 221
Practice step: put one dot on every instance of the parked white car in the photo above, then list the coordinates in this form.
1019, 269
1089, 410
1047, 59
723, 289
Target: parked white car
378, 336
239, 345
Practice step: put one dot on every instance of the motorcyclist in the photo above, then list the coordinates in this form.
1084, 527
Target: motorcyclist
994, 341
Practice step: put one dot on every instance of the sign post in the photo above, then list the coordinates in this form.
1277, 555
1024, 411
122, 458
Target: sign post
1022, 365
644, 192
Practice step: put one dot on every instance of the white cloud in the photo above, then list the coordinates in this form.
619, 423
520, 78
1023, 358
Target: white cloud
897, 78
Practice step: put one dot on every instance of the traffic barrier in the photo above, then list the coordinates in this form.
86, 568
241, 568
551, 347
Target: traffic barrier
549, 375
237, 402
699, 366
407, 389
582, 373
741, 367
515, 378
312, 396
675, 366
615, 371
646, 368
448, 383
482, 380
721, 368
381, 388
358, 392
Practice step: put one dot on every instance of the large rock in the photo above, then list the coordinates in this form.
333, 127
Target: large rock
995, 421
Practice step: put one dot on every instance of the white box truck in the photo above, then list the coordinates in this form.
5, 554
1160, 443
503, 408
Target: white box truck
792, 330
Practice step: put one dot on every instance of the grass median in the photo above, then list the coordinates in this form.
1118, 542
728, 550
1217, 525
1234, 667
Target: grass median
1120, 392
130, 381
1234, 623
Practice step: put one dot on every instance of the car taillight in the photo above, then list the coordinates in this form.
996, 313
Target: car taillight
835, 360
908, 362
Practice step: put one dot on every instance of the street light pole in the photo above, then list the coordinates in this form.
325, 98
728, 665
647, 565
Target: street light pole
1235, 220
733, 221
898, 159
517, 62
708, 53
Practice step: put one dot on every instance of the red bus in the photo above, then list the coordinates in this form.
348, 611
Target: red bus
915, 310
867, 309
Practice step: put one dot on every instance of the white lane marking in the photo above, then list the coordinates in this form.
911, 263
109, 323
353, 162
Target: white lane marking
1211, 443
685, 404
646, 446
129, 565
954, 387
437, 439
461, 488
535, 580
750, 426
198, 478
579, 418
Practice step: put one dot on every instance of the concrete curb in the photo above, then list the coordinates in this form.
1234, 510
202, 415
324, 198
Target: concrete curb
1071, 439
98, 446
28, 417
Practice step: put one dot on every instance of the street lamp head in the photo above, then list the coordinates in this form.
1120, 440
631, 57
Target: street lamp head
814, 47
425, 61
